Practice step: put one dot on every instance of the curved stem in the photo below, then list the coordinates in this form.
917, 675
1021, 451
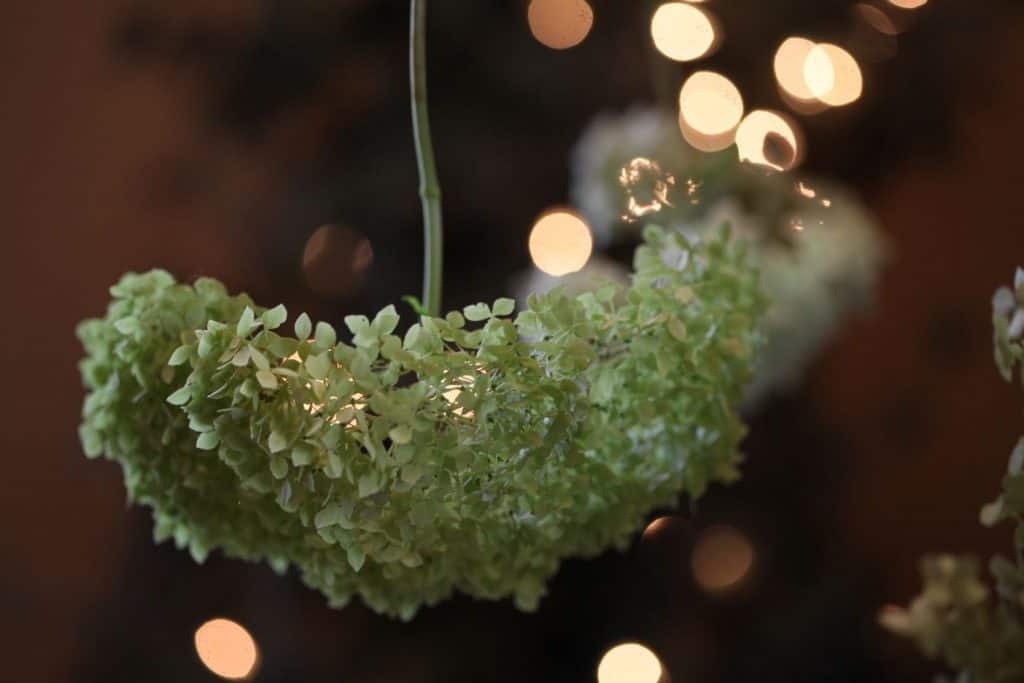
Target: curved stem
430, 188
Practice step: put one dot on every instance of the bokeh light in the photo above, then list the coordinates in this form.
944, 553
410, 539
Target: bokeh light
789, 63
560, 242
723, 558
335, 260
833, 75
656, 527
226, 649
710, 109
560, 24
877, 19
629, 663
769, 139
683, 32
908, 4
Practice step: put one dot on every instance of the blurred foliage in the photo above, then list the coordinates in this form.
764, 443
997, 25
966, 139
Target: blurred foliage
958, 618
473, 454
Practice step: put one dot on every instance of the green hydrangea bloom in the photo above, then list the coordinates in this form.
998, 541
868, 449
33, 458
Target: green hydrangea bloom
974, 630
471, 454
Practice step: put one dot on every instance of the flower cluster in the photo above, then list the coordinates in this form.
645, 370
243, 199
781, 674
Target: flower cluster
957, 617
472, 453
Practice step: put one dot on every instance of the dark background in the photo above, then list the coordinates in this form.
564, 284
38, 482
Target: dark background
215, 137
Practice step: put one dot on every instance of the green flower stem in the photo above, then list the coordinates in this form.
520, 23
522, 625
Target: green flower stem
430, 188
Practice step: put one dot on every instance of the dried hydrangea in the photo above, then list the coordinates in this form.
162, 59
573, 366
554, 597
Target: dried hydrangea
974, 630
819, 250
456, 457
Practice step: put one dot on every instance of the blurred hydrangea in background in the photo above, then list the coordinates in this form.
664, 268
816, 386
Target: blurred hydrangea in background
819, 250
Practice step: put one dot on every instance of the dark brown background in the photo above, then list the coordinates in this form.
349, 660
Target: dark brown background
214, 137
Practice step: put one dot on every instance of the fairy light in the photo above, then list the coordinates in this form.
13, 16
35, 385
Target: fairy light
560, 243
789, 65
761, 133
833, 75
683, 32
723, 558
335, 260
226, 649
629, 663
710, 109
560, 24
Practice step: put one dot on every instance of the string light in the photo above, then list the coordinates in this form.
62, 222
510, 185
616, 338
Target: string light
335, 260
226, 649
710, 109
833, 75
723, 558
683, 32
769, 139
560, 243
629, 663
560, 24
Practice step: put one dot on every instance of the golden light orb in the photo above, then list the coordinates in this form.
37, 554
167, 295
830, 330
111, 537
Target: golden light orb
629, 663
683, 32
560, 242
789, 63
226, 649
560, 24
769, 139
723, 558
908, 4
833, 75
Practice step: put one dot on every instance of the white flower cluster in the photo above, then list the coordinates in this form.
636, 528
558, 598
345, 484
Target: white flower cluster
818, 248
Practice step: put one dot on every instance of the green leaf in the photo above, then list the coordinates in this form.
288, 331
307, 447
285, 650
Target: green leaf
303, 327
326, 337
127, 325
267, 380
386, 320
180, 356
477, 312
207, 441
245, 323
356, 558
402, 434
329, 516
277, 442
415, 304
369, 484
504, 306
279, 467
258, 359
303, 455
274, 317
319, 365
180, 397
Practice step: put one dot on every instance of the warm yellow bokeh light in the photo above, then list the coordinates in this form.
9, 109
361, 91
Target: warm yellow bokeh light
833, 75
682, 32
908, 4
722, 559
789, 63
629, 663
226, 649
560, 24
560, 243
710, 103
877, 19
754, 140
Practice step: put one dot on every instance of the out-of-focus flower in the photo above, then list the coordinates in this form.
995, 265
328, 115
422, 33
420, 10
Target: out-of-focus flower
819, 250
